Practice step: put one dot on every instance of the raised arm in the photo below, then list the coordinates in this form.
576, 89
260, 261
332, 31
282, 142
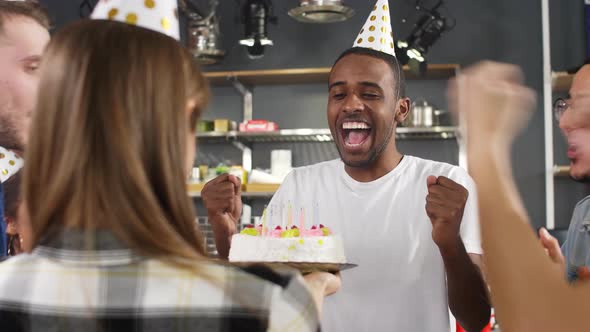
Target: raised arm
223, 200
529, 292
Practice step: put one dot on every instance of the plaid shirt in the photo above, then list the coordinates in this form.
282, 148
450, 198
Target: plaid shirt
62, 287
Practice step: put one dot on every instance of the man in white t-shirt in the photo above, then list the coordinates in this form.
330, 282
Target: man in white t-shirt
410, 224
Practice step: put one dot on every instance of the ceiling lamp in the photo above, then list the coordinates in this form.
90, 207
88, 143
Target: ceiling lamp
426, 32
321, 11
256, 16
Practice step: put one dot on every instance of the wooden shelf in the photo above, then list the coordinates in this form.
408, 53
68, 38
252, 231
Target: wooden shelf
197, 194
268, 77
195, 187
561, 171
561, 81
249, 190
310, 75
252, 188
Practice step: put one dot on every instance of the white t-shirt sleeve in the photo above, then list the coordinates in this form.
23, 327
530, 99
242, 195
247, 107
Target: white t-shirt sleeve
470, 233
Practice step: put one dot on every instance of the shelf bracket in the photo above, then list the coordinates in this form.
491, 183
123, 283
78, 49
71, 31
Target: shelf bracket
461, 135
246, 155
247, 115
246, 97
561, 170
548, 119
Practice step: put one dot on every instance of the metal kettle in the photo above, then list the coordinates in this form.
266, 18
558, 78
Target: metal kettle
421, 114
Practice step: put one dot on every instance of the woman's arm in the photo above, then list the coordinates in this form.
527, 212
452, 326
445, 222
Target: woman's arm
528, 291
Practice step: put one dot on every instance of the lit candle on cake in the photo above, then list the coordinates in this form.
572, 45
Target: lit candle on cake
263, 232
290, 215
272, 217
301, 222
316, 213
281, 215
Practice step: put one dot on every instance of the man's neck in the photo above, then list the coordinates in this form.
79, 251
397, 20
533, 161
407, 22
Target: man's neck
383, 165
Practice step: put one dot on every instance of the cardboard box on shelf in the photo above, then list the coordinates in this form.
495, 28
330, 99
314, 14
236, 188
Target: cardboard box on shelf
224, 125
258, 125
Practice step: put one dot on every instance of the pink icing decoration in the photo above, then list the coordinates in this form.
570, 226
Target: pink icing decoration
312, 232
274, 233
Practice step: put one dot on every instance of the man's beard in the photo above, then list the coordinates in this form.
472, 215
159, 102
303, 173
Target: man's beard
373, 153
584, 179
9, 136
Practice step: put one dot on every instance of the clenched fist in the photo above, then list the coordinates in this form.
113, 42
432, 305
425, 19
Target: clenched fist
222, 195
493, 103
445, 203
223, 200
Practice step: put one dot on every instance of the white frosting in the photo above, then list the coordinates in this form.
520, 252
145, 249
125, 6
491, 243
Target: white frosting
313, 249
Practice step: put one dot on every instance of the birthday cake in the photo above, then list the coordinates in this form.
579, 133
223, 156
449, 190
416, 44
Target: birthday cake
288, 244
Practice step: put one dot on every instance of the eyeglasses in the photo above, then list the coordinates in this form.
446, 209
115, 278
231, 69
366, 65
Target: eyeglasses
559, 108
579, 104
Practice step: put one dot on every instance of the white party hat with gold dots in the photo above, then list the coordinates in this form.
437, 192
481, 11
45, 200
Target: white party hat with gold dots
10, 164
376, 34
158, 15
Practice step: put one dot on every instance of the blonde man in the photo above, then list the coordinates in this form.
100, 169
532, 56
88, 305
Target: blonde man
23, 36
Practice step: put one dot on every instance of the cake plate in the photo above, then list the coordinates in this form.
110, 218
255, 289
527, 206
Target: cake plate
304, 267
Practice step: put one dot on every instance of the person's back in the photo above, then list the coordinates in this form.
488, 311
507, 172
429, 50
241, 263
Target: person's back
115, 245
386, 231
63, 287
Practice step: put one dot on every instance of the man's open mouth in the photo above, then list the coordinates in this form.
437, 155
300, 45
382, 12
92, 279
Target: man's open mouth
355, 133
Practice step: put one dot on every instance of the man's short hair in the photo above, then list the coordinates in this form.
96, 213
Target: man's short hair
396, 67
30, 9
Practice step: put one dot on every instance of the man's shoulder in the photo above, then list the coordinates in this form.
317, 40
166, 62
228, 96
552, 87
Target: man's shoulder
585, 202
421, 168
438, 168
583, 207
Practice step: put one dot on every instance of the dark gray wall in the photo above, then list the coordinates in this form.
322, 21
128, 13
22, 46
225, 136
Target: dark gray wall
501, 30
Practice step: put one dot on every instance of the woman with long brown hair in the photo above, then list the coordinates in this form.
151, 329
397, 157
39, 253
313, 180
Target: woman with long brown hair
114, 241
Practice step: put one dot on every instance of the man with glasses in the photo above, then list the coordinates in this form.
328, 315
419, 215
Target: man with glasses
573, 115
